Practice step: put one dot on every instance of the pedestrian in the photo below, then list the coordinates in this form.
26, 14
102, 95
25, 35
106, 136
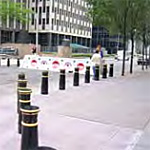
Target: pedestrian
102, 61
95, 60
34, 50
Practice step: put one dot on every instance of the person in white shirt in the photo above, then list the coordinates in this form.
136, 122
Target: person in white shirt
96, 60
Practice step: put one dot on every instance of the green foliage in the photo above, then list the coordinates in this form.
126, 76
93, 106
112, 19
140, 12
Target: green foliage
113, 14
14, 10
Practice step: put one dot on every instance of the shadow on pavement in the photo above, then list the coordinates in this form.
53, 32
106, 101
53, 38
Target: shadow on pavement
45, 148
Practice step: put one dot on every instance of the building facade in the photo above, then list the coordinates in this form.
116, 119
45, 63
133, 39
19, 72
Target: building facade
11, 29
112, 43
55, 20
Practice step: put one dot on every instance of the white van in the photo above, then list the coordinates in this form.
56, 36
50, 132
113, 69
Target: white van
119, 55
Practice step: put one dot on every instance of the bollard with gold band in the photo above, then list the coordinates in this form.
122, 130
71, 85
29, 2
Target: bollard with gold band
87, 74
62, 79
76, 77
96, 75
24, 100
111, 70
8, 62
44, 85
29, 139
22, 84
18, 62
104, 74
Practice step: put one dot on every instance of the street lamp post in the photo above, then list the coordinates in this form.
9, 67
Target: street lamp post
37, 28
118, 40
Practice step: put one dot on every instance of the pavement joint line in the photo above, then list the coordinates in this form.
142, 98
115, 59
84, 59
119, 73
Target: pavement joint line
146, 124
135, 140
97, 122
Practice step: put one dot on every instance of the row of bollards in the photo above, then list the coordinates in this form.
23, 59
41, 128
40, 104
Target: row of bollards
28, 114
104, 72
62, 78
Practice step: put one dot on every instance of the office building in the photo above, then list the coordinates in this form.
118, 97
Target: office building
112, 43
55, 20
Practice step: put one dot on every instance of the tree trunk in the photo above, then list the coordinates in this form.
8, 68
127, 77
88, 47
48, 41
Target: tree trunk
124, 43
149, 56
143, 49
132, 52
146, 58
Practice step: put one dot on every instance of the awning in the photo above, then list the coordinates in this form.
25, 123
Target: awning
78, 46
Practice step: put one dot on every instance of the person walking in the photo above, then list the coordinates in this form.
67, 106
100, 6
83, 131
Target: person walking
100, 51
95, 60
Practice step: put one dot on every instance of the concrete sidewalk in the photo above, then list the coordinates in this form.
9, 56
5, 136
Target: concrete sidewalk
107, 115
111, 114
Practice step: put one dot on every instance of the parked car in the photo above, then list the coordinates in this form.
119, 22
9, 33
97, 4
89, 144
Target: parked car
119, 55
144, 61
8, 53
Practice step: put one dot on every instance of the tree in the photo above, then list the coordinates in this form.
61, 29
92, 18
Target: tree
113, 14
133, 21
144, 26
14, 10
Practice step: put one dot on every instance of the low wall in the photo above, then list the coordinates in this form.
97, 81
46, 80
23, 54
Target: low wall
23, 49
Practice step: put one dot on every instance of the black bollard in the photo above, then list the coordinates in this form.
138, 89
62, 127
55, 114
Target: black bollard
87, 74
62, 79
111, 70
44, 85
96, 75
18, 62
76, 77
8, 62
24, 100
29, 139
22, 84
104, 74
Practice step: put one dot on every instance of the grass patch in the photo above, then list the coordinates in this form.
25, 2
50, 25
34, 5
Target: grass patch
81, 55
78, 55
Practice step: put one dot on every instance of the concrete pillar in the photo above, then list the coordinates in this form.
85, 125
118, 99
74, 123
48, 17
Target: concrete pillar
50, 40
76, 40
90, 44
86, 42
71, 39
81, 42
13, 37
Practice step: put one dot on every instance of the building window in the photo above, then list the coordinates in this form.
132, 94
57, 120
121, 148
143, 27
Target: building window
43, 25
32, 17
40, 15
44, 3
47, 15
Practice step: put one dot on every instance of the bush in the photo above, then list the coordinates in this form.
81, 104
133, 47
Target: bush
78, 55
81, 55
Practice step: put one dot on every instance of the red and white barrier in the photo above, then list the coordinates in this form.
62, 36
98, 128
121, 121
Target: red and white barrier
55, 63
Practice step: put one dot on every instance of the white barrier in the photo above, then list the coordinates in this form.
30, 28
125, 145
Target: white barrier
55, 63
3, 62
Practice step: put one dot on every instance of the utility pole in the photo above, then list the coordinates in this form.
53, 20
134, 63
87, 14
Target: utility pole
124, 42
37, 26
